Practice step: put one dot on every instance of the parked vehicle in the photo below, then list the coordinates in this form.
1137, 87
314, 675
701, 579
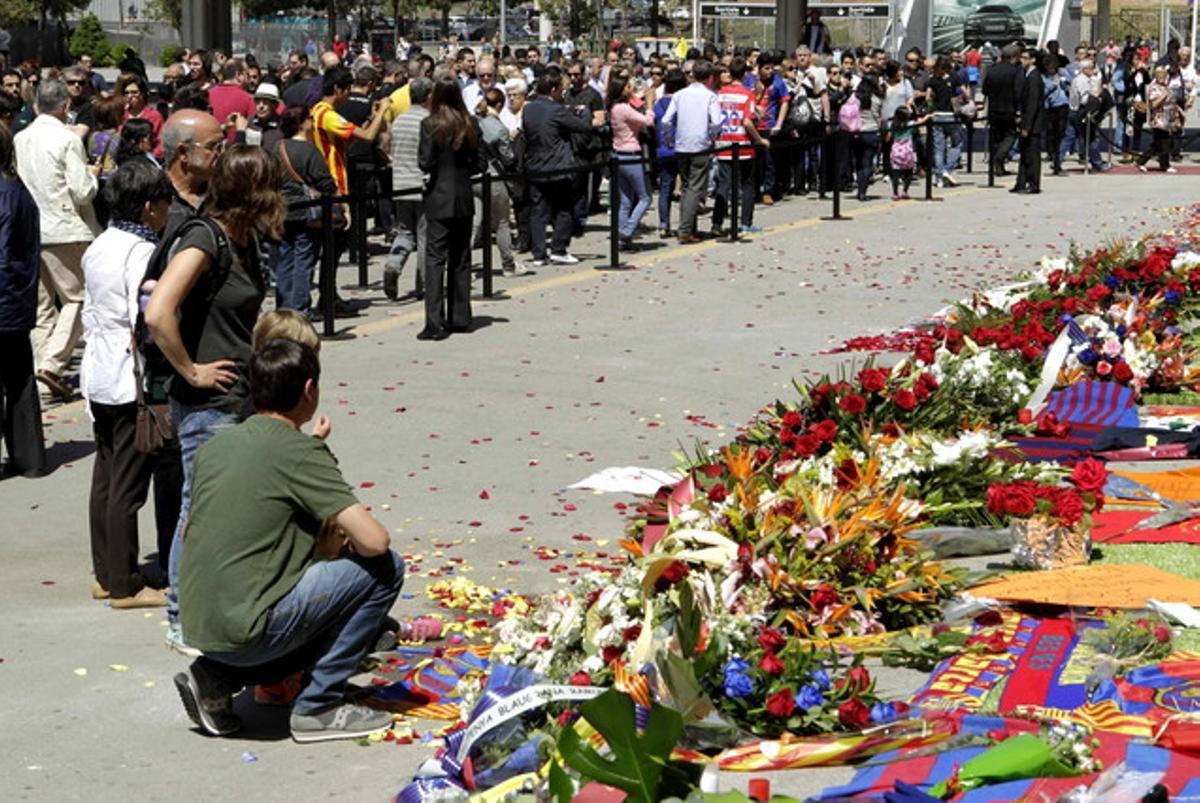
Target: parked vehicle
993, 23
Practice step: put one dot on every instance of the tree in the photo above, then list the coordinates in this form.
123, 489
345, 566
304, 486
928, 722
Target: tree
170, 11
89, 37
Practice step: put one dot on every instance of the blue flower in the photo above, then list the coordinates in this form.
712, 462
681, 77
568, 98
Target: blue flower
1121, 330
737, 685
822, 679
809, 697
1112, 282
1065, 318
1088, 357
1172, 297
883, 712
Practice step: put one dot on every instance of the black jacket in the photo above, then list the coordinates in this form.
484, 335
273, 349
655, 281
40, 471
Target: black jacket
1002, 87
1030, 115
547, 127
20, 249
448, 192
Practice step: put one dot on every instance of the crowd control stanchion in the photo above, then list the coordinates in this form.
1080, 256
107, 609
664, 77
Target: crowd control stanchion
328, 266
360, 229
929, 168
991, 154
734, 191
836, 173
970, 146
485, 229
1087, 144
614, 208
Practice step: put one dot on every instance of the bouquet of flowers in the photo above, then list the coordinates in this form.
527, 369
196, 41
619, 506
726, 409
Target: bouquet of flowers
1061, 750
1066, 506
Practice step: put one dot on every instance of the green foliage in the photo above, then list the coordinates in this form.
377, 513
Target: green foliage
19, 12
921, 649
639, 765
89, 37
169, 55
170, 11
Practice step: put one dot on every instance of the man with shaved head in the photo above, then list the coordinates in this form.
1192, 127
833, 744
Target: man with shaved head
192, 140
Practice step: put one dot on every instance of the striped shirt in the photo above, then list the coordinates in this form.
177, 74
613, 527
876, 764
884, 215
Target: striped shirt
330, 134
406, 140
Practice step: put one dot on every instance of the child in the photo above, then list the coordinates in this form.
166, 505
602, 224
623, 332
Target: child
285, 323
903, 155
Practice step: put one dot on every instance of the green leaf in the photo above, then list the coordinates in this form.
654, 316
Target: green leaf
687, 626
562, 788
687, 696
637, 762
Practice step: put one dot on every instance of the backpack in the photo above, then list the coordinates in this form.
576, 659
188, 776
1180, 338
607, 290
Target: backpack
850, 115
903, 155
801, 113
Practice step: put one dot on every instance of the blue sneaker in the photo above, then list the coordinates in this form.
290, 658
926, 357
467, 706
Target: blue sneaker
752, 229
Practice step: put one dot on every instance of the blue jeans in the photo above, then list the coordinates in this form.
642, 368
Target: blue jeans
635, 197
947, 148
326, 624
1076, 132
296, 260
667, 171
866, 148
196, 427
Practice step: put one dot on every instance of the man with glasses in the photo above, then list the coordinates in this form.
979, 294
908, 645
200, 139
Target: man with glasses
485, 72
80, 113
588, 145
52, 164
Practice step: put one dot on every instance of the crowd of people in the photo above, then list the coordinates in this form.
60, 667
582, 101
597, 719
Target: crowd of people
150, 220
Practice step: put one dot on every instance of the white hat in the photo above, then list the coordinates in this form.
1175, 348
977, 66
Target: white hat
267, 91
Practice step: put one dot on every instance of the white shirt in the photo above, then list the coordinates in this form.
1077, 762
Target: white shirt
472, 95
52, 163
113, 267
511, 121
693, 119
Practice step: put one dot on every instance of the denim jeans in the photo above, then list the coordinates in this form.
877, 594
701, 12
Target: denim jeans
947, 148
635, 197
726, 189
1075, 134
866, 148
295, 263
327, 623
196, 426
668, 170
411, 232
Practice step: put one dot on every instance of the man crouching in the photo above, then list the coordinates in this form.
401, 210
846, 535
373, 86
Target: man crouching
254, 598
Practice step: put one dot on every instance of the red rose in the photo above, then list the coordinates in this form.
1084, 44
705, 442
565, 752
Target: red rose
820, 394
631, 633
989, 619
1122, 372
1103, 368
854, 714
771, 640
928, 381
807, 445
905, 399
581, 679
1098, 293
671, 575
611, 653
1030, 352
712, 470
826, 430
924, 353
717, 493
1070, 305
858, 679
873, 380
1162, 634
846, 475
891, 430
1068, 507
793, 419
1011, 500
823, 597
852, 403
771, 664
781, 704
1089, 475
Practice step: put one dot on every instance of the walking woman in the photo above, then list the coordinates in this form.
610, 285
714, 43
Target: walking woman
1165, 118
113, 268
449, 154
627, 126
203, 309
668, 166
20, 251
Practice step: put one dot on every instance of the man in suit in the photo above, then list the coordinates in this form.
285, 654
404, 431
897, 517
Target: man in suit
1029, 126
1002, 87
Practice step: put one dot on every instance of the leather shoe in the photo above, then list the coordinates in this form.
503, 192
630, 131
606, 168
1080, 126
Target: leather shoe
146, 598
1018, 190
458, 328
99, 591
432, 334
688, 239
54, 384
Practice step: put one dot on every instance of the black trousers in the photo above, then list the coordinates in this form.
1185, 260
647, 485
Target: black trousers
725, 189
120, 482
1160, 146
1056, 128
168, 497
1002, 133
20, 409
553, 203
1029, 175
448, 273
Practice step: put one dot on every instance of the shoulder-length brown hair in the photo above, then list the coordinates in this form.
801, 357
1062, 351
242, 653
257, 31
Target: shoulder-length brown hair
244, 190
449, 121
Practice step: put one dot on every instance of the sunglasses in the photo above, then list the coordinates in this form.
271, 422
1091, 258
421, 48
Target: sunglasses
76, 83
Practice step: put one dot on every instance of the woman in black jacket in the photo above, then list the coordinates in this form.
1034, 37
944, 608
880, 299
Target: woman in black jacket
20, 247
449, 154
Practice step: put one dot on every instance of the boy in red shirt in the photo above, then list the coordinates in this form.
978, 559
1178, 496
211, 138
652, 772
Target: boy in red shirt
738, 115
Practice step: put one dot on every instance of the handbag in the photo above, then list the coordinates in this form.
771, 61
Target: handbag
313, 215
153, 427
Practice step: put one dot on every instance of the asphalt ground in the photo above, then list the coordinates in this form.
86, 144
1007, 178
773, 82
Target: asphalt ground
471, 442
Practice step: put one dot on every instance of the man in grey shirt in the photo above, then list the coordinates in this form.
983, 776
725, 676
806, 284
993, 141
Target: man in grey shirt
406, 175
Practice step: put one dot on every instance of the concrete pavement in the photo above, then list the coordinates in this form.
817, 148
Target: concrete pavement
579, 369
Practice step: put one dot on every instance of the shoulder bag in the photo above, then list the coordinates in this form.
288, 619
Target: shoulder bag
313, 215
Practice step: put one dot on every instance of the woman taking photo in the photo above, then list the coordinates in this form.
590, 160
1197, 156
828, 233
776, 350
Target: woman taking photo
627, 126
136, 143
297, 253
20, 251
449, 154
203, 309
1165, 117
133, 88
113, 268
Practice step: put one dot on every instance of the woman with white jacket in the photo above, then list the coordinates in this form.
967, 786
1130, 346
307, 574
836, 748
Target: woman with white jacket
114, 265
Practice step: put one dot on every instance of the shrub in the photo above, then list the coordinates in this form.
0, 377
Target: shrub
89, 37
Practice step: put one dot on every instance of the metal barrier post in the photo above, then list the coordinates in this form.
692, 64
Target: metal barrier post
614, 207
360, 228
929, 160
1087, 145
834, 153
328, 265
734, 191
485, 227
991, 150
970, 146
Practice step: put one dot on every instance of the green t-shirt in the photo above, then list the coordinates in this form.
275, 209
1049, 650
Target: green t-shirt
260, 491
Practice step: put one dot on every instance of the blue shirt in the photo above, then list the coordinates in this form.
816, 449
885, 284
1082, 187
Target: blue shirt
664, 151
693, 119
1056, 95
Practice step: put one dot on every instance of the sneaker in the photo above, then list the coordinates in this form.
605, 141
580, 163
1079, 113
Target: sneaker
345, 721
517, 269
207, 706
752, 229
937, 182
174, 639
147, 597
564, 259
1142, 169
391, 281
1170, 170
949, 180
904, 195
